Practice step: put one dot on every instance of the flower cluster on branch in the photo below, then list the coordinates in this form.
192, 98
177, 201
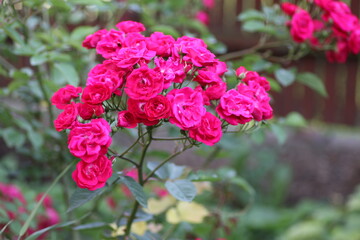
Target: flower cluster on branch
152, 80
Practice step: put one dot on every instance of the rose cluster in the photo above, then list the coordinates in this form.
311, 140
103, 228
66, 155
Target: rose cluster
329, 23
14, 205
152, 80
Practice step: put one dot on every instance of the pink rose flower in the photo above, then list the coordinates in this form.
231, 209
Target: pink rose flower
354, 41
289, 8
202, 17
93, 175
160, 43
107, 73
96, 93
63, 96
134, 39
187, 107
127, 57
344, 20
110, 43
67, 118
92, 40
171, 70
254, 76
157, 108
11, 193
144, 83
261, 100
88, 111
340, 54
199, 56
90, 140
207, 77
235, 107
126, 119
209, 131
208, 3
217, 67
302, 26
130, 26
215, 90
137, 108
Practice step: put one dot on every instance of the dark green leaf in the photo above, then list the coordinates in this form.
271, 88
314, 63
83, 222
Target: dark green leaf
285, 77
168, 171
313, 82
68, 73
60, 5
182, 189
82, 196
136, 189
14, 35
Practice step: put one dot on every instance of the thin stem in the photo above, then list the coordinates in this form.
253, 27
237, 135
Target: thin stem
131, 218
239, 54
165, 161
46, 96
169, 139
132, 145
141, 182
124, 158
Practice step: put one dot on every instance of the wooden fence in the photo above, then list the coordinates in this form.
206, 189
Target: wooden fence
342, 81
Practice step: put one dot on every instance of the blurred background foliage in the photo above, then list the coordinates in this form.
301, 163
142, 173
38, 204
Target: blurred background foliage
40, 51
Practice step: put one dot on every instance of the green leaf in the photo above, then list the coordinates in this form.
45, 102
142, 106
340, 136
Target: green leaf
90, 226
12, 137
68, 72
36, 139
285, 77
136, 190
81, 32
60, 5
87, 2
279, 133
182, 189
82, 196
168, 171
14, 35
295, 119
167, 30
38, 204
202, 176
44, 230
313, 82
253, 26
251, 14
38, 59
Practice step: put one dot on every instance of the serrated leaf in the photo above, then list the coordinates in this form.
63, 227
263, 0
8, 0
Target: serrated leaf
68, 73
313, 82
182, 189
136, 189
82, 196
285, 77
168, 171
251, 14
